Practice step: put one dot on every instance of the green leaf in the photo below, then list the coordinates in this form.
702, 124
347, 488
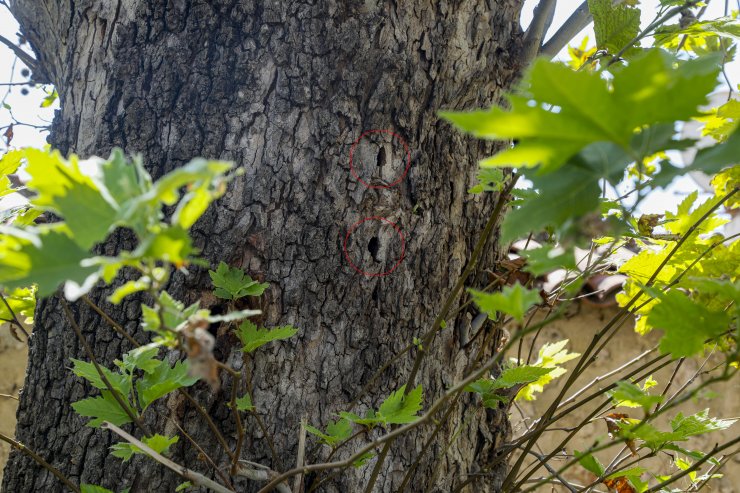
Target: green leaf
128, 288
615, 24
244, 403
63, 188
183, 486
546, 259
513, 300
158, 443
161, 381
50, 98
590, 463
253, 338
685, 324
550, 356
103, 408
142, 358
91, 488
398, 408
370, 419
630, 395
45, 257
83, 369
22, 302
336, 432
489, 180
564, 111
233, 283
510, 378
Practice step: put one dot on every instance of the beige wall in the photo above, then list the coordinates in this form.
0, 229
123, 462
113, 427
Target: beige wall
583, 322
13, 356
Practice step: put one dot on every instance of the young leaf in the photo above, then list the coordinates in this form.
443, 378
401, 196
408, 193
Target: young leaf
233, 283
336, 432
91, 488
513, 300
398, 408
121, 383
22, 302
253, 338
590, 463
550, 356
630, 395
161, 381
685, 323
103, 408
615, 25
158, 443
511, 378
244, 403
45, 257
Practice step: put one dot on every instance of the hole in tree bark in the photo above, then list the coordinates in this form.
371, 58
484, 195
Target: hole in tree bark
381, 157
373, 246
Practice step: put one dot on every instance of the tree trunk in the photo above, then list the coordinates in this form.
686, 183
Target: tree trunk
284, 89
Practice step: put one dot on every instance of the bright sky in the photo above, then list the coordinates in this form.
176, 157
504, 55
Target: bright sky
26, 108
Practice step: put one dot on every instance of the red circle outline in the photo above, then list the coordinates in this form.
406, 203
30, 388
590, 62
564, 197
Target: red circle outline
355, 226
375, 131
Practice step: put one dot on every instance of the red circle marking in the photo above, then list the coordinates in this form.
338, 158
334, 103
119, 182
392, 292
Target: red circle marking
377, 131
355, 226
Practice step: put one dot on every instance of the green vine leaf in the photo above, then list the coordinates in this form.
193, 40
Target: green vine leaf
232, 283
336, 432
615, 24
161, 381
513, 300
253, 337
159, 443
101, 409
398, 408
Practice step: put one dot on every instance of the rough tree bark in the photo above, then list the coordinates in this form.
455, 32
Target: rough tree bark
283, 89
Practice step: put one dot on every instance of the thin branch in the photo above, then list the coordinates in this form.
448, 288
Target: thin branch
301, 456
262, 473
30, 62
192, 476
695, 466
577, 22
537, 29
114, 392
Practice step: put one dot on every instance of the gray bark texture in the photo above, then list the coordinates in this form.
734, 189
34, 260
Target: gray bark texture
283, 88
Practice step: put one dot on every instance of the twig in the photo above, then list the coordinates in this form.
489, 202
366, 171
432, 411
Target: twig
18, 51
543, 14
8, 396
207, 457
577, 22
261, 474
552, 471
694, 467
301, 456
40, 460
114, 392
192, 476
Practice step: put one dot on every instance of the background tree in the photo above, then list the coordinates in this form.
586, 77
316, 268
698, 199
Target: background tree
282, 89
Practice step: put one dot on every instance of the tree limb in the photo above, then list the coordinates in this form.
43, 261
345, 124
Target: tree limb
18, 51
537, 29
578, 21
